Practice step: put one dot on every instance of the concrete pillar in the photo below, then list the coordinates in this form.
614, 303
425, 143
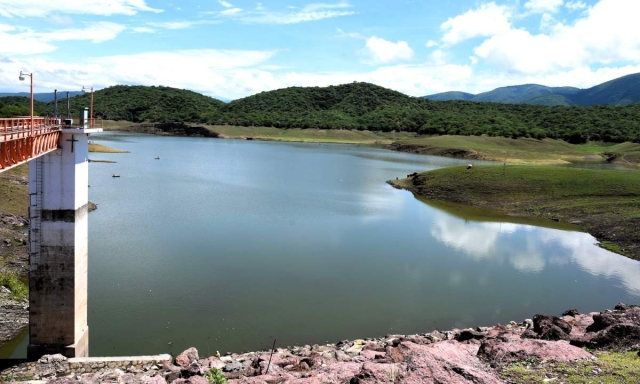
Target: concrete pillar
58, 193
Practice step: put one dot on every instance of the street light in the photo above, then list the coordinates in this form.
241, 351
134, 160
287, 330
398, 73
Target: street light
22, 78
85, 89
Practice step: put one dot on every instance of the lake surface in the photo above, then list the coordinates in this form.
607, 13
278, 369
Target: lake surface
225, 245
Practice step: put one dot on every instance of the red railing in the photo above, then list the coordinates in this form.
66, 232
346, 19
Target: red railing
21, 141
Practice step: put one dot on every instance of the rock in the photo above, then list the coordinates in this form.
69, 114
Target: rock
187, 357
551, 328
355, 349
232, 367
154, 380
510, 347
341, 356
63, 380
197, 380
5, 290
469, 335
570, 312
7, 241
48, 359
372, 355
217, 364
377, 373
443, 362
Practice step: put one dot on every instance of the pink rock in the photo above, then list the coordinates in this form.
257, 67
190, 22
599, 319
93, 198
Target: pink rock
579, 324
368, 354
510, 347
154, 380
379, 373
444, 362
197, 380
187, 357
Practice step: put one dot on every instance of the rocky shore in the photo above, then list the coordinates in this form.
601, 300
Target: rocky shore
543, 344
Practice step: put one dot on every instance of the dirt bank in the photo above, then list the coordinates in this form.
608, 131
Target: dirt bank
435, 151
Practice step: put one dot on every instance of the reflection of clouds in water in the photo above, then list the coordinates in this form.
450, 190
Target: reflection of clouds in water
598, 261
542, 247
530, 263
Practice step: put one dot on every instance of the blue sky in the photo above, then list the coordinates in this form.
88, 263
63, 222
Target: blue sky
236, 48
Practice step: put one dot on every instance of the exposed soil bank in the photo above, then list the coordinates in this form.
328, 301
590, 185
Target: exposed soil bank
435, 151
548, 345
604, 203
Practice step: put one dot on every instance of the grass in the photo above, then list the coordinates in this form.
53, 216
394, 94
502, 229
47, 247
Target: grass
19, 290
14, 191
104, 149
606, 203
514, 151
310, 135
610, 368
530, 151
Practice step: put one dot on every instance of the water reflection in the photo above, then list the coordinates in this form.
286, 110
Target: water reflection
531, 249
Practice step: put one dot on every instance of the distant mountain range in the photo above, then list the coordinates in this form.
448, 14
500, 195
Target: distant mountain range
621, 91
44, 97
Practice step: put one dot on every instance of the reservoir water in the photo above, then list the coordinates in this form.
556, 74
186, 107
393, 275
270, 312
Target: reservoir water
225, 245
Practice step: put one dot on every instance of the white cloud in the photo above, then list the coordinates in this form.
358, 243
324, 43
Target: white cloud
225, 4
24, 41
542, 6
575, 5
182, 24
311, 12
95, 32
488, 20
38, 8
384, 52
431, 44
602, 37
231, 11
143, 30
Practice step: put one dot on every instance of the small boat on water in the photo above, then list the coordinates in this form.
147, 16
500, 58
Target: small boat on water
114, 175
157, 157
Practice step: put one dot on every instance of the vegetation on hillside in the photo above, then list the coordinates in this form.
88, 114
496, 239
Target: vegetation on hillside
361, 106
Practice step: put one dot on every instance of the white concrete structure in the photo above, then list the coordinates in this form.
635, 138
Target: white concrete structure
58, 208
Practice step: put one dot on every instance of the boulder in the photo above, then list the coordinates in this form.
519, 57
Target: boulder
511, 347
550, 328
187, 357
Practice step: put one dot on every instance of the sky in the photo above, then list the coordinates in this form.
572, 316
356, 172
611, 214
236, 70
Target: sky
231, 49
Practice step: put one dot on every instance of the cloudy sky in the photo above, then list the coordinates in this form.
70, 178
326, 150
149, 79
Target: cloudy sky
236, 48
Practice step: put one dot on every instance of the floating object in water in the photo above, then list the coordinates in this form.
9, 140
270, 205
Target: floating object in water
114, 175
157, 157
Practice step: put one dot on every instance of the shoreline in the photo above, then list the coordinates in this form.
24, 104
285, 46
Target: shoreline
597, 346
499, 149
544, 193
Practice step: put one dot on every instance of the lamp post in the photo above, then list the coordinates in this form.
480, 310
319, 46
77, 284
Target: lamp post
22, 77
85, 89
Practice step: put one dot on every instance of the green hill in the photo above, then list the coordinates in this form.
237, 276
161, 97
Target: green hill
360, 106
446, 96
621, 91
521, 93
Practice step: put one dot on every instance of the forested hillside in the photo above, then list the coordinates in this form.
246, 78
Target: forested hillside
355, 106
